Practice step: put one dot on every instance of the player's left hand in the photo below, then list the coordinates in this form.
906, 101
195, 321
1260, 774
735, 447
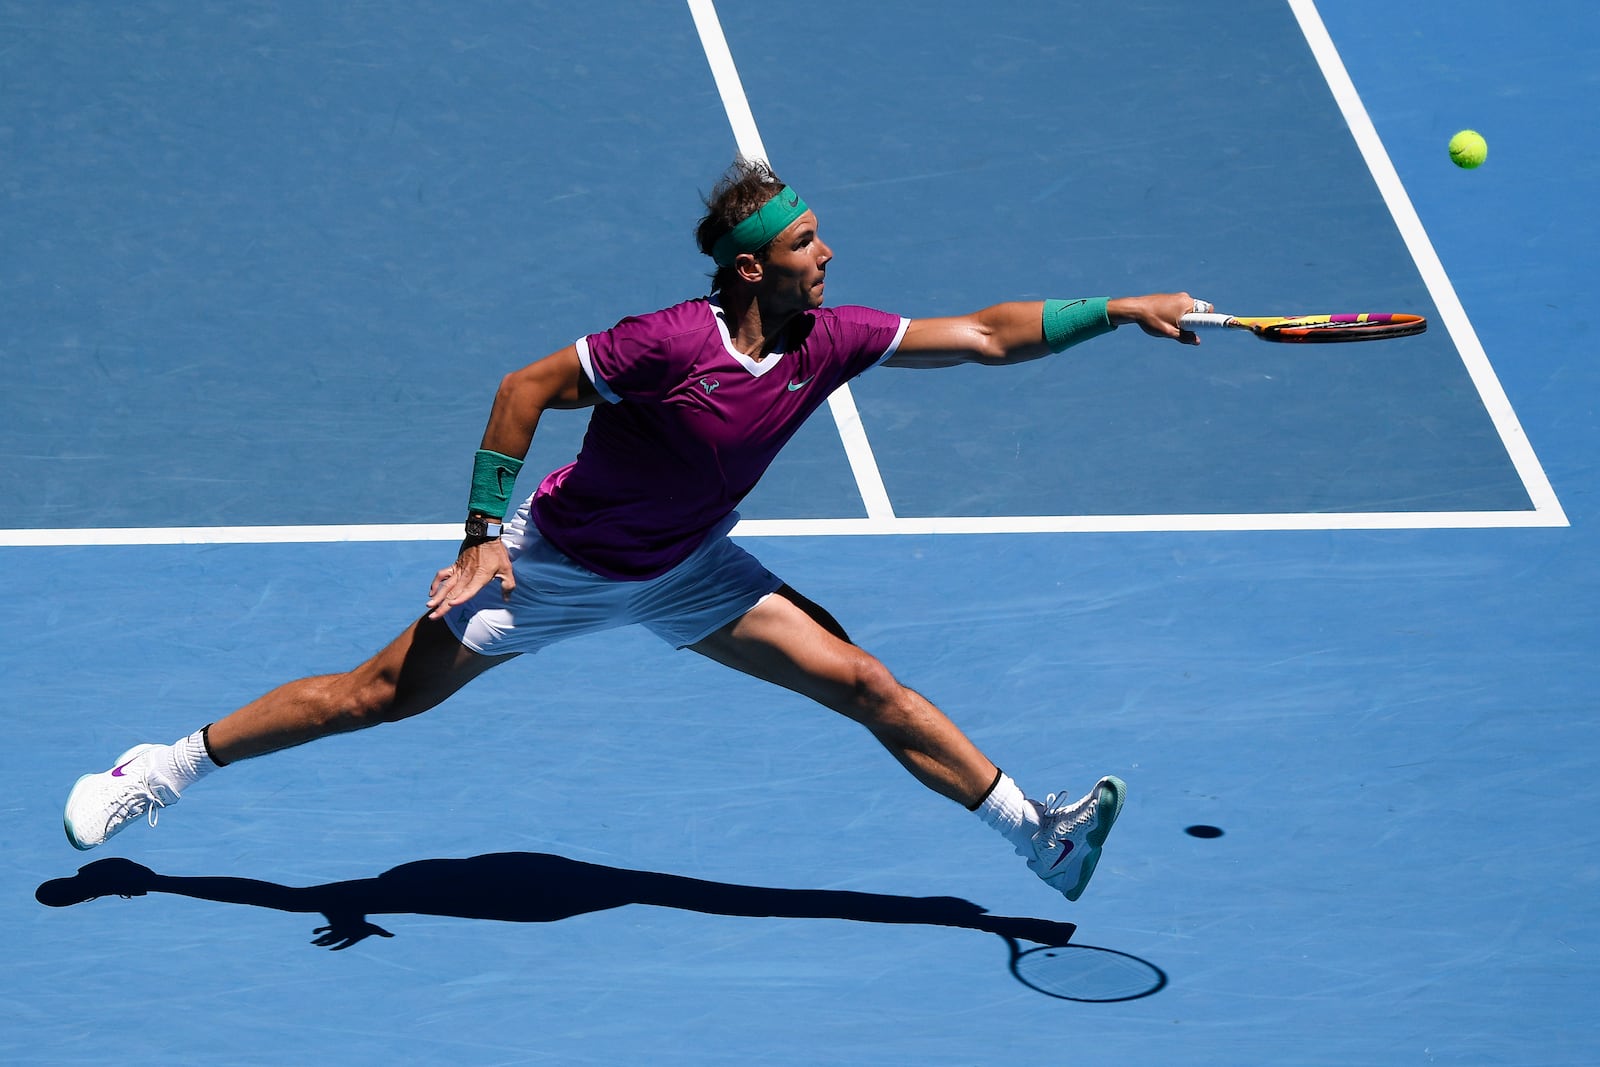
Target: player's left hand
1157, 314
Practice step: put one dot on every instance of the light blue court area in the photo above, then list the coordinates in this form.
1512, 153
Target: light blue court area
1404, 788
264, 265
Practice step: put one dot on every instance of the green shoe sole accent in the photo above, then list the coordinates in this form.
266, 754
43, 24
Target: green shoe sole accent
1119, 792
1112, 792
1084, 874
66, 823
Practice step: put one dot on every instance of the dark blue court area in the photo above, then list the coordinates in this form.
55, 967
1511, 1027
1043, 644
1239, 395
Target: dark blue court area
265, 263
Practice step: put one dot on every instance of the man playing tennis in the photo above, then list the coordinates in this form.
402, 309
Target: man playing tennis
691, 404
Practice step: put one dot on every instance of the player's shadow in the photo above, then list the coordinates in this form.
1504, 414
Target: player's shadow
532, 887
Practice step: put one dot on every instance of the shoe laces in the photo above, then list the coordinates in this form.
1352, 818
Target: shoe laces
140, 799
1062, 822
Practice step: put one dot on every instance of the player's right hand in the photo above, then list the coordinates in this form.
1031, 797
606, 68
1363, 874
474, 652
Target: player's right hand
478, 564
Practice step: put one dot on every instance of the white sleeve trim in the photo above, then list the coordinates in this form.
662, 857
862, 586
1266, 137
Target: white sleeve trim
894, 346
587, 360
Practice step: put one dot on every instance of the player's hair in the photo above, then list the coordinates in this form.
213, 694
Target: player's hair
738, 194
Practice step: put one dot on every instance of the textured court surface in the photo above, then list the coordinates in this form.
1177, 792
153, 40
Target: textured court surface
264, 266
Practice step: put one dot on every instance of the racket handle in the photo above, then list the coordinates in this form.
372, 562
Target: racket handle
1200, 320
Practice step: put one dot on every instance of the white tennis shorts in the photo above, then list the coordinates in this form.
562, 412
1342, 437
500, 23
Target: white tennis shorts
556, 598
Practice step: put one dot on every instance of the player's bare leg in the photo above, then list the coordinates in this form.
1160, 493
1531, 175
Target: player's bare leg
778, 642
781, 643
415, 672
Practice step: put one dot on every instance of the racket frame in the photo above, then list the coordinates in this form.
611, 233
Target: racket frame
1312, 329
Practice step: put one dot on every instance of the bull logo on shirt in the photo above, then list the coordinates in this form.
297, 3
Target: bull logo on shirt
709, 384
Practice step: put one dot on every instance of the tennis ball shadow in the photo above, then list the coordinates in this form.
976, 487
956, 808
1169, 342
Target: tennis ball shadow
530, 887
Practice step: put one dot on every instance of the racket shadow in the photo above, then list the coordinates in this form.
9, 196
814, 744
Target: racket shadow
534, 887
1087, 974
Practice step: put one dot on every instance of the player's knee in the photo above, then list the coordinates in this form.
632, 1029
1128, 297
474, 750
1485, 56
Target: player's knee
878, 696
378, 702
357, 700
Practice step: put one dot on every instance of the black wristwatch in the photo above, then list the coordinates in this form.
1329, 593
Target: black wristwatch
483, 529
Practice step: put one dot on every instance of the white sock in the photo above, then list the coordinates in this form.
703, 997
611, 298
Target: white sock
184, 762
1007, 810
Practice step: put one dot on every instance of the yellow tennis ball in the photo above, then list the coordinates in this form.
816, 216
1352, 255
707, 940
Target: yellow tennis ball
1468, 149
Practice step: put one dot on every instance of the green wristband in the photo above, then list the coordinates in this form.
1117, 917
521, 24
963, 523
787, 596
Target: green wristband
1070, 322
493, 476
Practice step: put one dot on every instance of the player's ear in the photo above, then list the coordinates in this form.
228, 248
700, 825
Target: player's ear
748, 267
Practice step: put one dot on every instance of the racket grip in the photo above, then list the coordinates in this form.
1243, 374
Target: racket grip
1201, 320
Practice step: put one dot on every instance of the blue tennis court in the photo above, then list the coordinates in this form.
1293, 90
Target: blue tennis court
266, 264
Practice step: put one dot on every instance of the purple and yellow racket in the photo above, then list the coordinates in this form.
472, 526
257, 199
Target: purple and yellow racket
1311, 329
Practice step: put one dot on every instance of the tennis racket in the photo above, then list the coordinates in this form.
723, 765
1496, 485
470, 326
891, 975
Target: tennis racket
1310, 329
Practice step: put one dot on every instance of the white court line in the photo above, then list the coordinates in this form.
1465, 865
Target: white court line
1237, 523
230, 535
881, 519
958, 524
857, 449
726, 75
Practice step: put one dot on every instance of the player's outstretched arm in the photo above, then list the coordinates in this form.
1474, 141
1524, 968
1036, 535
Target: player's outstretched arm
1018, 331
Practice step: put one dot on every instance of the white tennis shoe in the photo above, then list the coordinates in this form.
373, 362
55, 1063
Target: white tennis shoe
100, 805
1066, 847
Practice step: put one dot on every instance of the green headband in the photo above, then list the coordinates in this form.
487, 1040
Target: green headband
759, 229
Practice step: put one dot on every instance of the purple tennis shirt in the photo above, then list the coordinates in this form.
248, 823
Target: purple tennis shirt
689, 426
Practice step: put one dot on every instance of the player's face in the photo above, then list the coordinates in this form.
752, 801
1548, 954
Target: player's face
796, 264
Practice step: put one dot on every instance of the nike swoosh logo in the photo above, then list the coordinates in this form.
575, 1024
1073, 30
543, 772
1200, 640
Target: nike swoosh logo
116, 772
801, 384
1066, 850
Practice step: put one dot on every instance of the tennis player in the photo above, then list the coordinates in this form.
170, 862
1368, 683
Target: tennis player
690, 405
